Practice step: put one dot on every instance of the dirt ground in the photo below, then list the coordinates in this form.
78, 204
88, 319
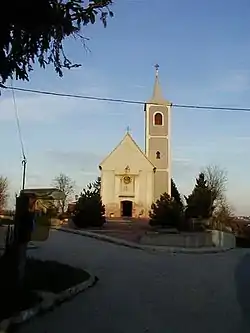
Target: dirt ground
130, 230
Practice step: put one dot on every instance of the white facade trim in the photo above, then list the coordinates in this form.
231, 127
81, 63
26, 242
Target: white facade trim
147, 136
158, 136
169, 150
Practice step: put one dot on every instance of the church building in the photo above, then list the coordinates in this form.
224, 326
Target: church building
132, 179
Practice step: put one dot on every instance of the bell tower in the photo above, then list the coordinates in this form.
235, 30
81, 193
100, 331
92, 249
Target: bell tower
157, 137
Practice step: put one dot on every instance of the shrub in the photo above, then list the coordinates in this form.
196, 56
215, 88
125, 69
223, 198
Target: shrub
175, 194
89, 210
200, 201
166, 212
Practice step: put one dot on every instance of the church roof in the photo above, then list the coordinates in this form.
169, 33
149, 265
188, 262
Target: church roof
157, 96
126, 139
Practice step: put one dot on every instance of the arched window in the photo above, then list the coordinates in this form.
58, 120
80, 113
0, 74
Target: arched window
158, 155
158, 118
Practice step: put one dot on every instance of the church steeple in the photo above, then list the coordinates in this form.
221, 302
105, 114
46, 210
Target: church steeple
157, 97
157, 92
157, 137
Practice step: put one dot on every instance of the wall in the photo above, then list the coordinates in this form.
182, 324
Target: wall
142, 196
178, 240
158, 130
161, 184
191, 240
3, 230
223, 239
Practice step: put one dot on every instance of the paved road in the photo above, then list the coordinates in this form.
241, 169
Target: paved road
145, 292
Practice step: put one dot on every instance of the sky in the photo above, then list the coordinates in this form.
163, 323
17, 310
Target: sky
203, 49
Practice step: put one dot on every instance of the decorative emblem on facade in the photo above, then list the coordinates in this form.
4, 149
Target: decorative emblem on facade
127, 180
127, 169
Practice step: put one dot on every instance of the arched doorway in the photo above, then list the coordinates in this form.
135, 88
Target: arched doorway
126, 208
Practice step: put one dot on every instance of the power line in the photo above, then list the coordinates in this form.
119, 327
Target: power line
18, 122
211, 107
102, 99
126, 101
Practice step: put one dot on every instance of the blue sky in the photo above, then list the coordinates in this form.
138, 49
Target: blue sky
204, 54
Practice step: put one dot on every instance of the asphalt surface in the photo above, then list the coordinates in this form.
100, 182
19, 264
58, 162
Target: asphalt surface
148, 292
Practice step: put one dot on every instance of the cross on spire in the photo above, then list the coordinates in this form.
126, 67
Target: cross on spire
157, 94
128, 129
157, 69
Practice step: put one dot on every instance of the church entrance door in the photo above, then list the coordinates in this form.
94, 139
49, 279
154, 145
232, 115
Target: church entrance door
126, 208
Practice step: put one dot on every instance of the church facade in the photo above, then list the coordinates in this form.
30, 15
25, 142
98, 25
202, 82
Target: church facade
132, 179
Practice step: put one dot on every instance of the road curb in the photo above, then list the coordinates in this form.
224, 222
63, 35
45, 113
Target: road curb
173, 250
30, 247
49, 302
149, 248
108, 239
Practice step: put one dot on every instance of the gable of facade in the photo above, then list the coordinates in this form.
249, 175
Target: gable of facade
127, 153
127, 180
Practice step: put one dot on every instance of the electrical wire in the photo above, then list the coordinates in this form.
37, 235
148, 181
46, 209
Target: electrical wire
126, 101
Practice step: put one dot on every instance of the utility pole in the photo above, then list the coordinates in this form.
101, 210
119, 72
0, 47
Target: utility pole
24, 163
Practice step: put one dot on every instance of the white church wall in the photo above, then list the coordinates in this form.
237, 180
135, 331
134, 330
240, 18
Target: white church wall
112, 195
117, 189
150, 190
144, 193
107, 186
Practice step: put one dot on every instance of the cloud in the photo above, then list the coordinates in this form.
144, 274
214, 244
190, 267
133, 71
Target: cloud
42, 108
235, 81
242, 138
34, 107
139, 86
84, 161
81, 166
182, 161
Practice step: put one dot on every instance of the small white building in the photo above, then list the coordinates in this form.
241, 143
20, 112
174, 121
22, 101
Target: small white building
131, 180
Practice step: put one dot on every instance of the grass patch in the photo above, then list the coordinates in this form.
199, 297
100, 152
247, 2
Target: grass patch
50, 276
11, 304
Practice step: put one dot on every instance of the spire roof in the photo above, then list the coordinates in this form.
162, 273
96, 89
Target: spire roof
157, 96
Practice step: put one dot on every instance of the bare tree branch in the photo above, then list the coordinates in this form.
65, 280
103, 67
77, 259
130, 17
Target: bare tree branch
65, 184
4, 185
223, 215
217, 180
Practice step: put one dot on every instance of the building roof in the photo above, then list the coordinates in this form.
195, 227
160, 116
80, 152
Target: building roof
45, 193
157, 96
127, 138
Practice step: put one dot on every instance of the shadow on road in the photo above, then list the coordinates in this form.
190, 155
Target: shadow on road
242, 280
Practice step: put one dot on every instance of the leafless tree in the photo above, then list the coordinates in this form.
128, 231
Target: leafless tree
223, 216
65, 184
216, 178
4, 185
